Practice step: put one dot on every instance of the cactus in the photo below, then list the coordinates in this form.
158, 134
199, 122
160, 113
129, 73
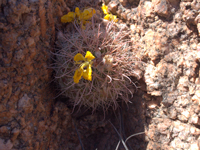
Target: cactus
110, 67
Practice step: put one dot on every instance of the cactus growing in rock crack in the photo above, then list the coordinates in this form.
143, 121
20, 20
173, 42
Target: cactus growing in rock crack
109, 67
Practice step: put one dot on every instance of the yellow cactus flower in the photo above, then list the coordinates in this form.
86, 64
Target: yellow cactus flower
68, 18
81, 17
89, 56
105, 9
87, 74
77, 12
78, 57
87, 14
78, 74
109, 17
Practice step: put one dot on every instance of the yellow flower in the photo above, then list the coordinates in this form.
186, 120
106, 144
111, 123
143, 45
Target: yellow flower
78, 74
108, 16
78, 57
80, 17
87, 74
68, 18
89, 56
87, 14
77, 12
105, 9
111, 17
87, 62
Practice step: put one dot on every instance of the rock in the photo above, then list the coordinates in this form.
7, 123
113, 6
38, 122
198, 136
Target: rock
35, 32
179, 144
184, 116
123, 2
148, 9
5, 146
135, 29
172, 112
195, 5
15, 132
194, 146
192, 90
30, 42
184, 134
183, 84
178, 126
4, 131
168, 99
174, 3
196, 97
198, 27
163, 128
25, 104
189, 17
161, 7
156, 93
113, 7
124, 16
152, 105
194, 131
197, 93
197, 19
195, 120
151, 132
106, 2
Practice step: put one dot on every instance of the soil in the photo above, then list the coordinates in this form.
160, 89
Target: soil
164, 113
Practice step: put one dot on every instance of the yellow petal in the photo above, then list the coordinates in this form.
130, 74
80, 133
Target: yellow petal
85, 64
78, 57
68, 18
89, 56
111, 17
107, 17
105, 9
114, 18
87, 14
77, 12
87, 74
77, 75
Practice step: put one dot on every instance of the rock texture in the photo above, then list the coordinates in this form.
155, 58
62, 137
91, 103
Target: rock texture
166, 37
28, 117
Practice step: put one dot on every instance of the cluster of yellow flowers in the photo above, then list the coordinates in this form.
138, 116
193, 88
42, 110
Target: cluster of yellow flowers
108, 16
81, 17
87, 62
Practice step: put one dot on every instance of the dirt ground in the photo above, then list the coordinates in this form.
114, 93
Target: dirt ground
164, 113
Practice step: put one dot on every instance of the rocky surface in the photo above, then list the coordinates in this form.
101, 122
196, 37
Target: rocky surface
165, 37
28, 117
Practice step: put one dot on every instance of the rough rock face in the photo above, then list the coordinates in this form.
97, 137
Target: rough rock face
28, 118
165, 36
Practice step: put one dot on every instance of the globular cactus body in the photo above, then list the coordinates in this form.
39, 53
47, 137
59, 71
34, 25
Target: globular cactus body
110, 81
